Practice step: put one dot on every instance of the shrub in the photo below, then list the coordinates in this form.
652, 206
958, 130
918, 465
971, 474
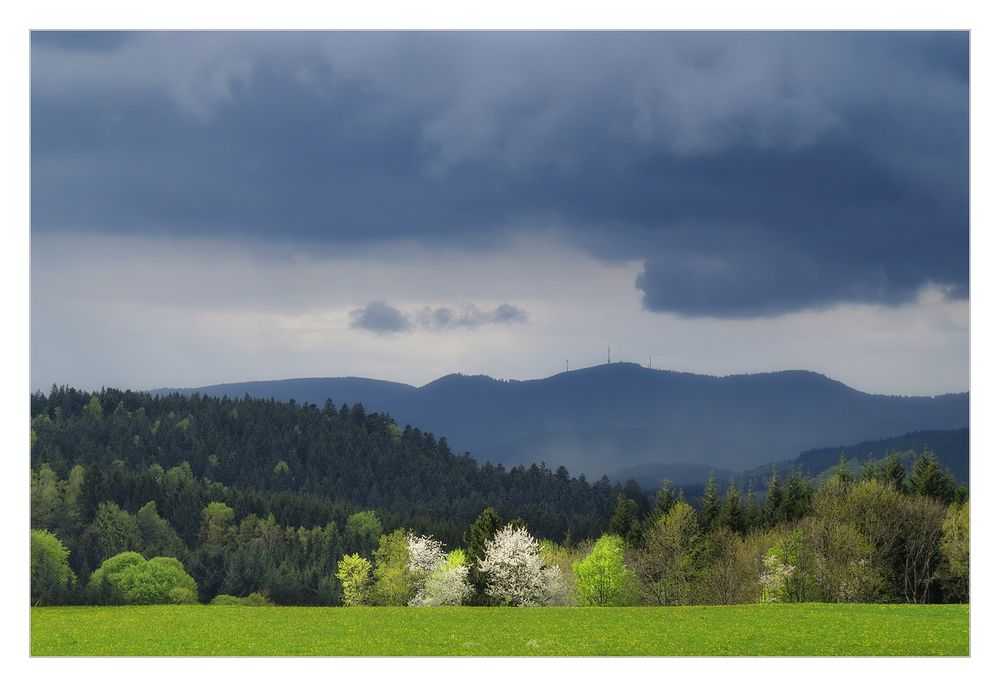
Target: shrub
256, 599
52, 580
182, 595
131, 579
226, 600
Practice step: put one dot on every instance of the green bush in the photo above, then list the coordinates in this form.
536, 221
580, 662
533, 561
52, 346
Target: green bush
130, 579
52, 580
182, 595
226, 600
254, 599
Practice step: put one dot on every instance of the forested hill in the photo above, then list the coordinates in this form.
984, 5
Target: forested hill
604, 419
344, 455
951, 448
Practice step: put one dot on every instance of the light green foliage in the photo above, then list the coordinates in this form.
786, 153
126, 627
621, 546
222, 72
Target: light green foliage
94, 407
216, 521
159, 538
52, 580
355, 575
668, 563
842, 558
394, 581
226, 600
602, 579
254, 599
365, 527
281, 468
954, 571
922, 520
74, 486
130, 579
562, 558
48, 506
788, 554
731, 575
182, 595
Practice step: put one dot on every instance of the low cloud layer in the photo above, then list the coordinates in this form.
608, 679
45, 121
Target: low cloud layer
382, 318
146, 312
750, 174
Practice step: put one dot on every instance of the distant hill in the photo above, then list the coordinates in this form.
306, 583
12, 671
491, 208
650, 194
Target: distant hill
951, 447
602, 419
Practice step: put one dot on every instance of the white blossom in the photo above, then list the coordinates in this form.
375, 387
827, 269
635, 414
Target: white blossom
554, 590
426, 554
447, 585
514, 568
774, 577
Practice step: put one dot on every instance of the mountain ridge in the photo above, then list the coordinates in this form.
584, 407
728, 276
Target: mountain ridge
597, 420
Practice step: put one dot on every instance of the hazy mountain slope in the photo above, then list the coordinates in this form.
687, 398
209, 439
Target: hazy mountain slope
604, 418
951, 447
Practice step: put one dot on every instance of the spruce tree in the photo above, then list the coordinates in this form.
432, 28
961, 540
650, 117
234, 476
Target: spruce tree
733, 513
774, 502
710, 506
481, 531
894, 473
928, 478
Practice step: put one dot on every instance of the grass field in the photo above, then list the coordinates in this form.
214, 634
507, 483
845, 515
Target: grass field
792, 629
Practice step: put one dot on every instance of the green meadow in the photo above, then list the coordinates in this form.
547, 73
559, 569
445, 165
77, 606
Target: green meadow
753, 630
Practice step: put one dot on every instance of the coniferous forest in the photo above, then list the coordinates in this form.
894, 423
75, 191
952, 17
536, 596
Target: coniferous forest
142, 499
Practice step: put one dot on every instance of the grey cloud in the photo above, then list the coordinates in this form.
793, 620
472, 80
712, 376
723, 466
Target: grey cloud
751, 173
469, 316
381, 318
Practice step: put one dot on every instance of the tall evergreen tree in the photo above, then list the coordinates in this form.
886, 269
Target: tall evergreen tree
709, 514
928, 478
893, 472
733, 513
479, 533
774, 501
798, 496
625, 520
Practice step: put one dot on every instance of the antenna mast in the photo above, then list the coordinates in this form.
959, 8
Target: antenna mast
609, 354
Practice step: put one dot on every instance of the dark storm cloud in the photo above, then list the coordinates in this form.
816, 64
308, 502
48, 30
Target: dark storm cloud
753, 174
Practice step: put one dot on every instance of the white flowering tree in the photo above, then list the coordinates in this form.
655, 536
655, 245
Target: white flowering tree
555, 591
426, 554
774, 578
514, 568
446, 585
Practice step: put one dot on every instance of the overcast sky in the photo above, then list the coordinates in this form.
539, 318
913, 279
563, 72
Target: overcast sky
215, 207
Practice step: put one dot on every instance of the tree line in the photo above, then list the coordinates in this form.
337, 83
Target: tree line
113, 529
